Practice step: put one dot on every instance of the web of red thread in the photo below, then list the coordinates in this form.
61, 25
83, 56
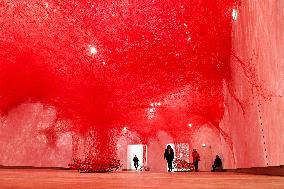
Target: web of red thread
106, 66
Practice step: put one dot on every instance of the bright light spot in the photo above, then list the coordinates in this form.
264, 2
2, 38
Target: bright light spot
104, 63
45, 5
93, 50
203, 145
152, 110
155, 104
190, 125
235, 14
185, 24
189, 38
124, 129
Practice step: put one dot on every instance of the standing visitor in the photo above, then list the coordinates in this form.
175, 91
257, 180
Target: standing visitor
135, 160
169, 156
196, 159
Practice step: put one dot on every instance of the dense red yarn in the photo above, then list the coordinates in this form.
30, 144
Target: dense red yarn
104, 65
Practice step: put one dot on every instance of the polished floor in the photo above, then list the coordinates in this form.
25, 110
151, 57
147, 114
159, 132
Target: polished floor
46, 179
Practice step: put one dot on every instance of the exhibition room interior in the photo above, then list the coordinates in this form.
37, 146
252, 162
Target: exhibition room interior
86, 86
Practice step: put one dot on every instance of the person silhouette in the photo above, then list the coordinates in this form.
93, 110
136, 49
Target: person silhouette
196, 159
135, 160
169, 156
217, 164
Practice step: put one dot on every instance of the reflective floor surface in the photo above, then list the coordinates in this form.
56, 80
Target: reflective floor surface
45, 179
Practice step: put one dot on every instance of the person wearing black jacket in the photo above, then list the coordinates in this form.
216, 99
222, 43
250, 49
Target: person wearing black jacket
135, 160
217, 164
169, 156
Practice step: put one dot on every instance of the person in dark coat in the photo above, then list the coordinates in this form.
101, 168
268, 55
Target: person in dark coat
135, 160
217, 164
196, 159
169, 156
